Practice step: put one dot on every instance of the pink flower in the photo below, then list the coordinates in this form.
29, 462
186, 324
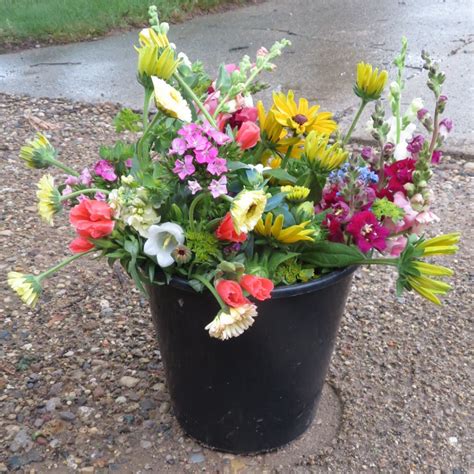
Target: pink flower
408, 219
105, 170
218, 187
100, 196
219, 137
436, 157
71, 180
194, 186
262, 52
445, 127
129, 163
230, 68
67, 190
197, 141
246, 114
206, 156
396, 245
415, 145
178, 147
186, 168
248, 135
367, 231
86, 177
217, 166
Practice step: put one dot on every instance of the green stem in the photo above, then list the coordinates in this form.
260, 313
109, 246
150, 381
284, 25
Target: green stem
378, 261
62, 264
398, 121
146, 105
195, 98
192, 208
354, 122
211, 288
63, 167
83, 191
434, 138
286, 157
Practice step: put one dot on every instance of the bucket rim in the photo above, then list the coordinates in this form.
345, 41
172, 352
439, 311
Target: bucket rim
286, 291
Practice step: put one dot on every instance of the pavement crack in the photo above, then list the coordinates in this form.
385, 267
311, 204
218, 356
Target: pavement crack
462, 46
55, 64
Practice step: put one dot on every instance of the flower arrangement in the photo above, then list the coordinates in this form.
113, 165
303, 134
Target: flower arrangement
236, 198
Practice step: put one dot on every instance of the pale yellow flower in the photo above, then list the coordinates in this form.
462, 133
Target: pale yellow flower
369, 83
153, 61
246, 210
295, 193
441, 245
36, 153
170, 101
149, 37
48, 199
27, 287
232, 322
289, 235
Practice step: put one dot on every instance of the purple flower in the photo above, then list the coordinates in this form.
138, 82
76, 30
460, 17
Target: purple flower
100, 196
415, 145
81, 197
188, 130
421, 113
218, 187
86, 177
105, 170
194, 186
206, 156
129, 163
217, 167
71, 180
445, 127
67, 190
178, 146
186, 168
232, 249
436, 157
198, 142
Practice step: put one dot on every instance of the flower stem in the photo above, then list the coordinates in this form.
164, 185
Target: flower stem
195, 98
146, 105
378, 261
434, 138
63, 167
62, 264
211, 288
83, 191
354, 122
192, 208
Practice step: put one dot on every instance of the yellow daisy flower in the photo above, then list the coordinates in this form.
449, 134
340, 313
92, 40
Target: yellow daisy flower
27, 287
295, 193
170, 100
48, 199
289, 235
36, 153
149, 37
301, 118
317, 150
155, 62
441, 245
246, 209
369, 83
273, 130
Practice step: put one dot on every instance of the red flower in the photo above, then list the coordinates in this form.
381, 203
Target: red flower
92, 219
334, 226
367, 231
258, 287
398, 174
226, 231
231, 292
248, 135
80, 244
246, 114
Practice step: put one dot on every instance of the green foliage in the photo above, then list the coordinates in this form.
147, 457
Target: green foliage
291, 271
126, 119
385, 208
204, 246
332, 255
72, 20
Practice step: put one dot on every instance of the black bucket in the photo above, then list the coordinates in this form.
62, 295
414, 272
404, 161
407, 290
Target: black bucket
260, 390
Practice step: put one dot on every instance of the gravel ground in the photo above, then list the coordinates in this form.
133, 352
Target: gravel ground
81, 381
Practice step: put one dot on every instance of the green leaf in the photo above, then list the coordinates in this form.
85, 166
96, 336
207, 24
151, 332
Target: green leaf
236, 165
274, 201
332, 255
126, 119
223, 82
280, 174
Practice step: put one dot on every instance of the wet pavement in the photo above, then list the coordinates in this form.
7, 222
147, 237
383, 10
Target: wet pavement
328, 38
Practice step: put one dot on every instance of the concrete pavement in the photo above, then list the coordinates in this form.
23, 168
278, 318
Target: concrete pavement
329, 38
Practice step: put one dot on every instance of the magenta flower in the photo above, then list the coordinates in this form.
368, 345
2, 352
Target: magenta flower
415, 145
197, 141
188, 130
436, 157
219, 137
100, 196
105, 170
218, 187
367, 231
206, 156
217, 167
129, 163
71, 180
183, 169
194, 186
178, 147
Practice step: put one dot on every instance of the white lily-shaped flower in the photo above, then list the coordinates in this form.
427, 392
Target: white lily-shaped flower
162, 240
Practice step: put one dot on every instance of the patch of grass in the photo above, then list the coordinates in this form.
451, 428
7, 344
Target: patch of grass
72, 20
